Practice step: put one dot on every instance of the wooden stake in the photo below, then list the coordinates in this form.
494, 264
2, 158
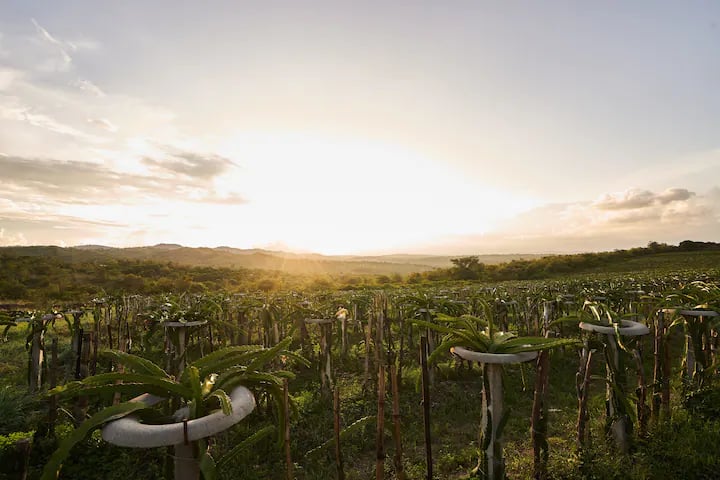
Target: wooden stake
23, 447
37, 358
583, 395
338, 450
401, 348
78, 352
380, 437
661, 372
210, 337
368, 338
95, 347
426, 405
397, 458
52, 375
641, 393
82, 402
538, 421
286, 405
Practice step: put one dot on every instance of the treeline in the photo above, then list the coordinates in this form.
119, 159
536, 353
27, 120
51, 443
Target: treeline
470, 268
34, 278
49, 278
52, 278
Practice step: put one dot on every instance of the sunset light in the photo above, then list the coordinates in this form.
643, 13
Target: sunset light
455, 130
388, 240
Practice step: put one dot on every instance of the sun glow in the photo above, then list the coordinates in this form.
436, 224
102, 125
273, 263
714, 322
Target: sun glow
325, 195
333, 195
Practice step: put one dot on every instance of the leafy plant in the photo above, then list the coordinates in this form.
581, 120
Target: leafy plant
480, 335
202, 387
15, 406
467, 331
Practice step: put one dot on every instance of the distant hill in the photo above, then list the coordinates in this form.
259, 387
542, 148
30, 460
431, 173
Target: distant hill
296, 263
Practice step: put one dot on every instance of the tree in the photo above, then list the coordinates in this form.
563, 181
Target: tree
466, 268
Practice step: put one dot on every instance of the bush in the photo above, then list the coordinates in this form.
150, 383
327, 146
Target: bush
704, 403
15, 406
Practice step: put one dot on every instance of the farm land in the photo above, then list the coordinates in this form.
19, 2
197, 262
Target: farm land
609, 365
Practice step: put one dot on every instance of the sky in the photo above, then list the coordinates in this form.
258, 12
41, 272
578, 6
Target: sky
344, 127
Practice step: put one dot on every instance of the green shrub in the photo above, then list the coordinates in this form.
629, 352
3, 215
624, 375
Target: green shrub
15, 405
704, 403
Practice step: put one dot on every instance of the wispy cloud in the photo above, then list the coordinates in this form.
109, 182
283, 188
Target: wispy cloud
671, 216
230, 199
87, 86
8, 239
11, 108
7, 77
103, 123
66, 182
624, 219
190, 164
635, 198
74, 182
65, 60
45, 227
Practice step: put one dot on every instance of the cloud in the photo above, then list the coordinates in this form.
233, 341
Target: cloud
82, 44
44, 227
43, 219
674, 195
649, 211
634, 198
627, 200
12, 109
64, 181
231, 199
45, 34
83, 183
64, 61
103, 123
7, 77
7, 239
192, 165
625, 220
88, 86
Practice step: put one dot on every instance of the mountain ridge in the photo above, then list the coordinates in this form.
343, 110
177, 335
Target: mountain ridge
255, 258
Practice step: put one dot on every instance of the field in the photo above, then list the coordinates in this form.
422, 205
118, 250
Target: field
665, 400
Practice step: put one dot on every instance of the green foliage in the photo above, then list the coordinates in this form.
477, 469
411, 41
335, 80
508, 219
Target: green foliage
200, 393
15, 407
347, 432
9, 457
243, 446
473, 308
704, 403
95, 458
683, 448
655, 254
52, 468
467, 331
